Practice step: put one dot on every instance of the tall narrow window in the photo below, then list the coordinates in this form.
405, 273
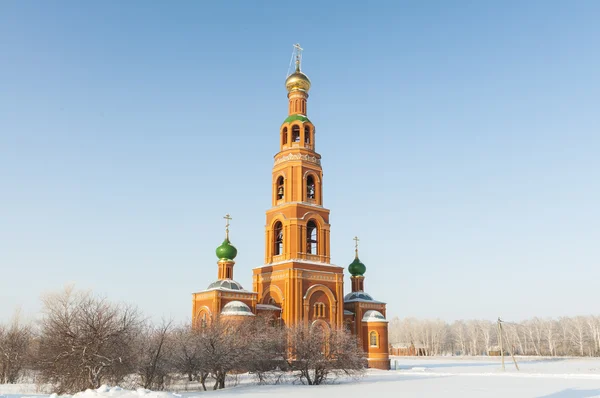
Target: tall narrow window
373, 339
310, 187
284, 137
280, 189
278, 234
306, 136
203, 321
319, 311
296, 133
311, 238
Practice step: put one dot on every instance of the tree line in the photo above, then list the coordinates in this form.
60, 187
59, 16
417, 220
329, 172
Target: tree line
84, 341
565, 336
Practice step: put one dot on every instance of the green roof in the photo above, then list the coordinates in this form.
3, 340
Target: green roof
293, 118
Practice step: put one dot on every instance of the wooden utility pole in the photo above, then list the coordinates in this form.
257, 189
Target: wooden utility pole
501, 334
501, 346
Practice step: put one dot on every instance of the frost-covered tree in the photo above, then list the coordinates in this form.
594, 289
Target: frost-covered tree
155, 351
85, 341
15, 349
317, 354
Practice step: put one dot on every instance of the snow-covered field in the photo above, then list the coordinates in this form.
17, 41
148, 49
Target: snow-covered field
413, 377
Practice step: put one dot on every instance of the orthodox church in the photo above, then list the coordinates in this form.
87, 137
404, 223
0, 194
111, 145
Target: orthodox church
297, 283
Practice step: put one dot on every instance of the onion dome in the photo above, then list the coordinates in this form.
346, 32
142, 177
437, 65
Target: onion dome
356, 268
236, 308
297, 81
226, 251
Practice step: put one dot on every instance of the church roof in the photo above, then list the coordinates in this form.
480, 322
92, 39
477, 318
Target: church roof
373, 316
353, 297
267, 307
236, 308
226, 284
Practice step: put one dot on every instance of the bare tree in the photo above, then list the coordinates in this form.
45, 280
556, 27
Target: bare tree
317, 354
155, 358
485, 331
459, 334
85, 341
186, 352
577, 333
15, 349
223, 350
593, 323
267, 349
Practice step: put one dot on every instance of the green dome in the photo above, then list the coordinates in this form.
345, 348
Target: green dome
226, 251
293, 118
357, 268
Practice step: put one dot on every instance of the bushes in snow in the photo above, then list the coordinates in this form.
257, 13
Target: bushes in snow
86, 341
224, 347
317, 354
15, 350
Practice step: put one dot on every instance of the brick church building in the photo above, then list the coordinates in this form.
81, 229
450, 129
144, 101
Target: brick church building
297, 283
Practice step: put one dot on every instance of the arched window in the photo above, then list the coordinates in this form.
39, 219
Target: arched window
311, 237
373, 339
296, 133
280, 189
203, 321
319, 310
310, 187
284, 136
278, 235
306, 135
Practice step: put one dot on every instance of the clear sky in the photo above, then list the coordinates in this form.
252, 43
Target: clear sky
460, 142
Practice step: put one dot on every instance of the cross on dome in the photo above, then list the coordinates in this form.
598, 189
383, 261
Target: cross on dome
298, 51
228, 218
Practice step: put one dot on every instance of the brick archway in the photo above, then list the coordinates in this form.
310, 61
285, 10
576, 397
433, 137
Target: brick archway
332, 302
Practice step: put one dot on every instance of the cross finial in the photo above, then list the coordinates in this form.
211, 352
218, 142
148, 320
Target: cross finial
356, 246
298, 56
228, 218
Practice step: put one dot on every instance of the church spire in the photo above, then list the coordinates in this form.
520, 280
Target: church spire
297, 84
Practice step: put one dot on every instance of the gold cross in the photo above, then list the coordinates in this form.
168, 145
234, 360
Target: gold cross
356, 245
227, 217
298, 56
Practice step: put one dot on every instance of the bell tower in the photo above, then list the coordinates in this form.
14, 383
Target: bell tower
298, 275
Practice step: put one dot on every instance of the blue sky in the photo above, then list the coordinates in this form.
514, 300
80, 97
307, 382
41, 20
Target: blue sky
460, 142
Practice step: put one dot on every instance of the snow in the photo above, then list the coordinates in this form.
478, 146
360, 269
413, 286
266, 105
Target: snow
413, 377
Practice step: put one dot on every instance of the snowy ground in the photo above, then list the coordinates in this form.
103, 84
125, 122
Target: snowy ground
414, 377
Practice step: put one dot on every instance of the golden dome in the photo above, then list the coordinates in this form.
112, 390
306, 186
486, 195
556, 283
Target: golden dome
297, 81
